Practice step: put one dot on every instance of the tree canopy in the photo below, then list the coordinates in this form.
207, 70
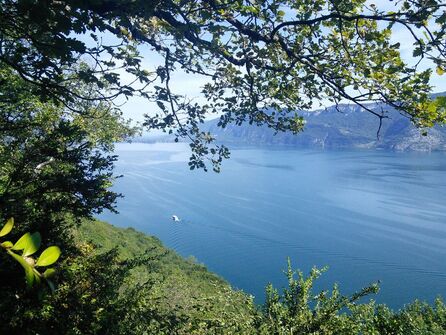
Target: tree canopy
56, 169
56, 166
265, 60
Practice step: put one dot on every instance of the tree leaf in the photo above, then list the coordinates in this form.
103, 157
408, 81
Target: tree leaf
29, 276
33, 244
29, 243
7, 227
49, 273
29, 273
48, 256
440, 72
21, 243
7, 244
36, 279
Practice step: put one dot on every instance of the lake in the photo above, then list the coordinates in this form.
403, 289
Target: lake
368, 215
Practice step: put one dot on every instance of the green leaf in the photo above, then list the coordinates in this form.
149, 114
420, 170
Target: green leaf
33, 244
7, 244
49, 273
7, 227
29, 276
251, 9
21, 243
49, 256
36, 279
29, 243
29, 273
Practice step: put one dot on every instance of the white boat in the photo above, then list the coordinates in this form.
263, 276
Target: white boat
175, 218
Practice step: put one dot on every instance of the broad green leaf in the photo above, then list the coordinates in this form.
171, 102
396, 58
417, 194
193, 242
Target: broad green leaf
21, 243
29, 243
49, 273
29, 273
49, 256
7, 227
33, 244
7, 244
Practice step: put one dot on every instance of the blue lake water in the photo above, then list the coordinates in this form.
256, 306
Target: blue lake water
368, 215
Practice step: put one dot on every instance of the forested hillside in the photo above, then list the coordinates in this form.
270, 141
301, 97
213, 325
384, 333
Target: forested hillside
340, 127
188, 298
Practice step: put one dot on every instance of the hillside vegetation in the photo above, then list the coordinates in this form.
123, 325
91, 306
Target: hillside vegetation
194, 298
119, 281
197, 301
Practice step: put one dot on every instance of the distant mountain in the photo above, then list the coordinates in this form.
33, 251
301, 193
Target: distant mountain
348, 127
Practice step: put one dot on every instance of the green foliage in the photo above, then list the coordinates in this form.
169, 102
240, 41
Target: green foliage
280, 55
6, 229
29, 244
48, 256
299, 311
192, 300
132, 282
56, 168
123, 278
54, 164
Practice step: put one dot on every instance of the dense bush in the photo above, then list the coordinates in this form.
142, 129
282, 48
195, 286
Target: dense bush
298, 310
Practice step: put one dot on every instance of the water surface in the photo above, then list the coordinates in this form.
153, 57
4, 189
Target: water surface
368, 215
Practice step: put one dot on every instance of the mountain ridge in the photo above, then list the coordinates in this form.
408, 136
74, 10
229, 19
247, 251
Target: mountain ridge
344, 126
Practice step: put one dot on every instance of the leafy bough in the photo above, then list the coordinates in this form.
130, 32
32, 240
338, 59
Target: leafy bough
24, 249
